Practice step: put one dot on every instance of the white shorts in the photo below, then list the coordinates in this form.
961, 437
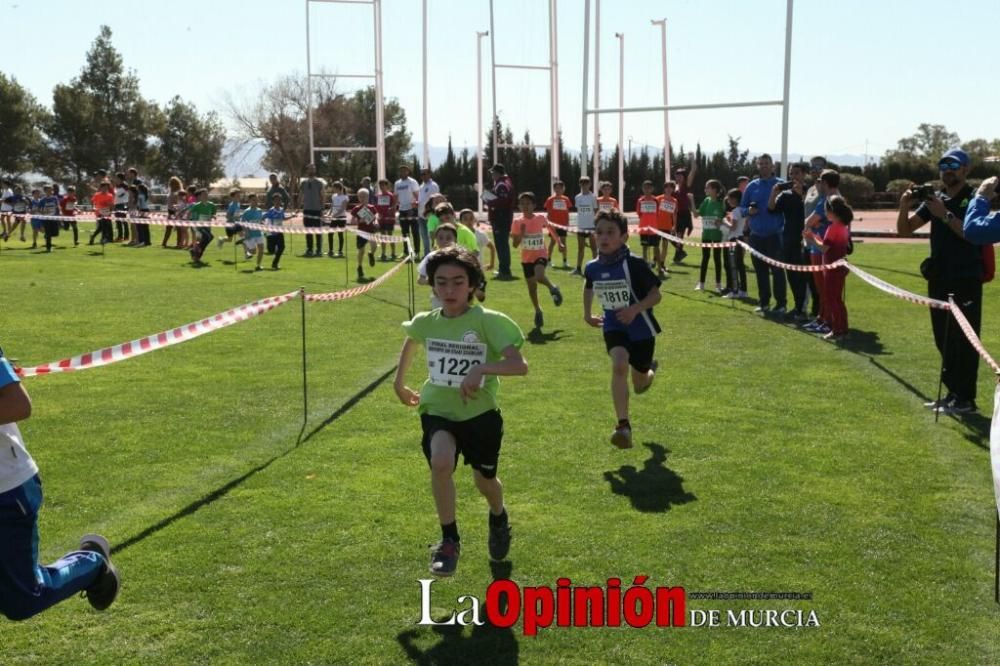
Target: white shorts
251, 244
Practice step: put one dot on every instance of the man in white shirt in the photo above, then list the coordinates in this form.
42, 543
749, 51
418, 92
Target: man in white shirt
407, 196
26, 587
428, 189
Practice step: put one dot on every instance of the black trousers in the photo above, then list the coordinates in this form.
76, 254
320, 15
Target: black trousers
312, 219
792, 252
961, 362
769, 246
279, 248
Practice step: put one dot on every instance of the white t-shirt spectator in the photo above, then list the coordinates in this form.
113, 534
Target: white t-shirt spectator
4, 206
427, 190
586, 209
338, 206
407, 190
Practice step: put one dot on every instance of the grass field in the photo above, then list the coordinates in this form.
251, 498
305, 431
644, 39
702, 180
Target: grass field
766, 460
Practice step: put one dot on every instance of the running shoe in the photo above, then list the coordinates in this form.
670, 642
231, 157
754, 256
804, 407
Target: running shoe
103, 591
444, 557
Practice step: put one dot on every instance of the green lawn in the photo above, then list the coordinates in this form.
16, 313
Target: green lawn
766, 460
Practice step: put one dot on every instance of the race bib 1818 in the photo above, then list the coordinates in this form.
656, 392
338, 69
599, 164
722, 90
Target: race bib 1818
612, 294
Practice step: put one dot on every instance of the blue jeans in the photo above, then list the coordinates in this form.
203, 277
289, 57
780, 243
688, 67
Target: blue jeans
769, 246
502, 221
425, 238
27, 588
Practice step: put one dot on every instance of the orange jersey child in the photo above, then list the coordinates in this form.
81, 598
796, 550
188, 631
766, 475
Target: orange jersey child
606, 201
528, 233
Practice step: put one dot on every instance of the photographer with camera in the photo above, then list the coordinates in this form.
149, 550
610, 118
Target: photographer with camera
955, 267
981, 226
786, 198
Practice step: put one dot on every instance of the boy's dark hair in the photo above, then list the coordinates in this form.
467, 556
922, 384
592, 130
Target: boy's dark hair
585, 179
252, 195
765, 156
717, 186
615, 216
466, 211
647, 182
337, 185
201, 192
384, 181
447, 226
670, 183
743, 179
526, 195
735, 192
830, 177
838, 206
457, 256
120, 176
71, 188
603, 184
801, 166
558, 183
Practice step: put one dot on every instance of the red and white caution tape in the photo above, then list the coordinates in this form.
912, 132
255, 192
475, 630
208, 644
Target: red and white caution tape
971, 336
168, 338
357, 291
676, 239
893, 290
840, 263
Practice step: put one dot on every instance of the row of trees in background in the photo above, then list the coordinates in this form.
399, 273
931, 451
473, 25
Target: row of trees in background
100, 120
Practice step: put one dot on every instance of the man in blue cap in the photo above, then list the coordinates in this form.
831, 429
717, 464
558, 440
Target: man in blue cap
954, 268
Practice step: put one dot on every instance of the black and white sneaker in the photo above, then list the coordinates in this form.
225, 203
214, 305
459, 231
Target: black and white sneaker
959, 406
103, 591
499, 541
444, 557
937, 404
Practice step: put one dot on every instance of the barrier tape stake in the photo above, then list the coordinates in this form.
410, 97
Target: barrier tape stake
305, 383
944, 352
996, 566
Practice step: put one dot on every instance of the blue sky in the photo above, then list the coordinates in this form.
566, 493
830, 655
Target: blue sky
861, 69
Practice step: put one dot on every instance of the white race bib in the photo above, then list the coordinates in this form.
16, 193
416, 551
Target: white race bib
448, 362
366, 215
533, 242
612, 294
384, 200
559, 204
647, 207
668, 206
605, 205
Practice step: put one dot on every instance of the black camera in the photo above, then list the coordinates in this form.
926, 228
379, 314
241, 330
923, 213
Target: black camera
922, 192
787, 185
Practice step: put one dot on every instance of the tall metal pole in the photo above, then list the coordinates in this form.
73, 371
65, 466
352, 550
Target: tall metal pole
379, 105
554, 91
586, 85
597, 93
479, 117
666, 114
427, 149
784, 106
621, 119
309, 89
493, 77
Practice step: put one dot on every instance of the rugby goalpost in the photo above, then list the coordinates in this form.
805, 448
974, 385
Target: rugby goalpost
665, 108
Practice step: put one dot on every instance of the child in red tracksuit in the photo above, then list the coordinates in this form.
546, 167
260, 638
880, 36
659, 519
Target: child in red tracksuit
835, 244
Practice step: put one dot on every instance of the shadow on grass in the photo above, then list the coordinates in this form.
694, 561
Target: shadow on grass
222, 490
386, 301
866, 343
536, 337
485, 644
653, 489
978, 427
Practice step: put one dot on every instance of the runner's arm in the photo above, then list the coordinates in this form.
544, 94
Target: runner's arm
406, 395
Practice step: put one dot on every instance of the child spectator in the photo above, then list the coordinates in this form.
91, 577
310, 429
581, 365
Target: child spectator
366, 217
49, 206
103, 202
528, 233
666, 219
834, 245
386, 204
711, 211
26, 587
736, 270
586, 208
338, 218
121, 208
557, 211
646, 206
202, 211
445, 236
627, 291
606, 201
68, 207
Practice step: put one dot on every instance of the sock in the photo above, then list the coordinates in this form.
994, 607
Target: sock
498, 521
624, 423
450, 531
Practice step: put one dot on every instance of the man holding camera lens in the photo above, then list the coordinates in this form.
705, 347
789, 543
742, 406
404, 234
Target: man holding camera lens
955, 267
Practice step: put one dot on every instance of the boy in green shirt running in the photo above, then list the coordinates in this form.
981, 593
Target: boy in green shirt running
467, 347
203, 211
